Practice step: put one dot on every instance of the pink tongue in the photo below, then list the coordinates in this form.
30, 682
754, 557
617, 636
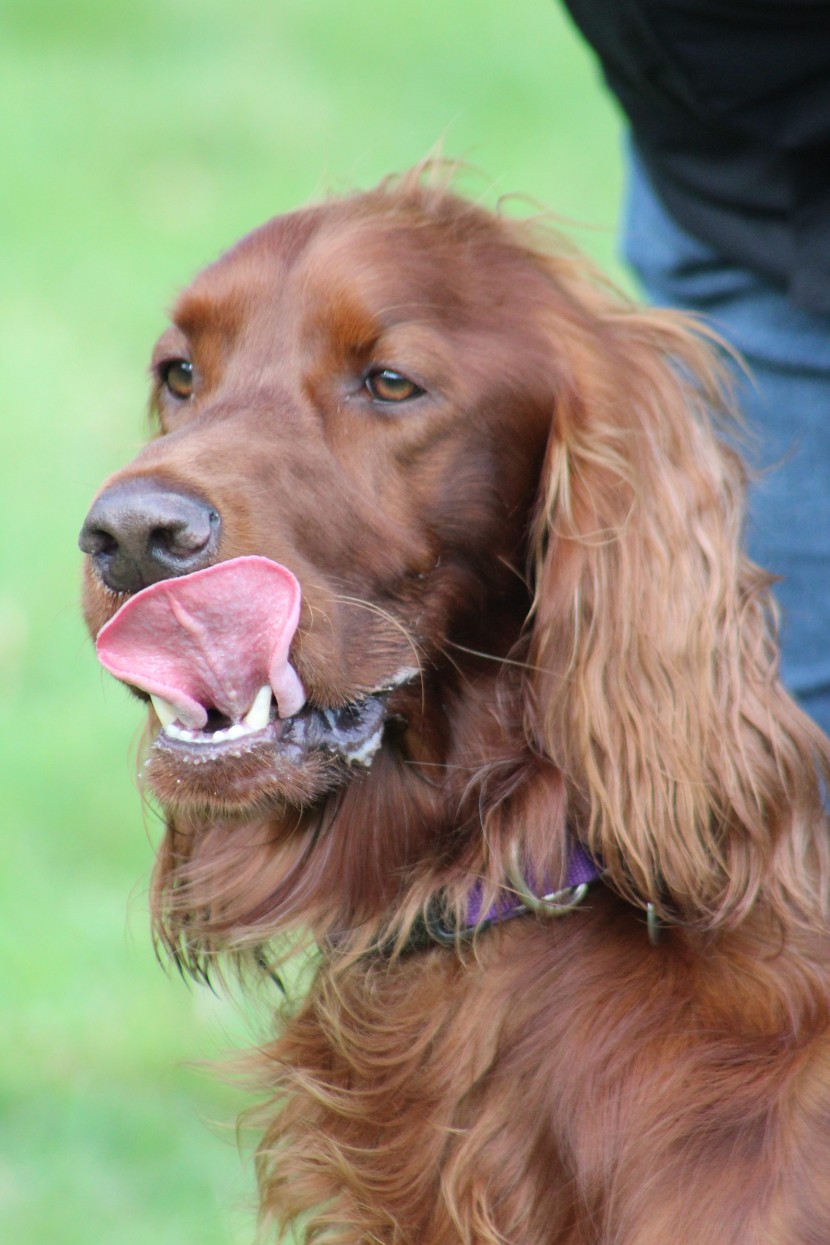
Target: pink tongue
210, 640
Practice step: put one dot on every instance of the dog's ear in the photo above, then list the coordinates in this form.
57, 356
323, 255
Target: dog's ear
689, 771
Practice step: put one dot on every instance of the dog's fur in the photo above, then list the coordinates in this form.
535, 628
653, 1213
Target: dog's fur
550, 535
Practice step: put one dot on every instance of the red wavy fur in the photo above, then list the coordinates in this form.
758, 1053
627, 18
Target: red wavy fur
546, 527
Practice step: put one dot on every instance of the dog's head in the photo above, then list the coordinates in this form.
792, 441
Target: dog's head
434, 549
359, 396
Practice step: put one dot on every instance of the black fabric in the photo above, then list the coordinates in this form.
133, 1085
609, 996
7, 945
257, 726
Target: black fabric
729, 104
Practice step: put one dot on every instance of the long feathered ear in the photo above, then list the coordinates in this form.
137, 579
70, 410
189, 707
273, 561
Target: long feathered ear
689, 771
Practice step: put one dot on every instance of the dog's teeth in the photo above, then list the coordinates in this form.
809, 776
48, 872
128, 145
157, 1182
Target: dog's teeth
259, 714
165, 712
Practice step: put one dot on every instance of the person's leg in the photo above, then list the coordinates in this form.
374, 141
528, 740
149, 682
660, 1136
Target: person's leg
787, 407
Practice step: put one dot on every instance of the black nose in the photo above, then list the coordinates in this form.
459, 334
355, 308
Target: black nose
141, 530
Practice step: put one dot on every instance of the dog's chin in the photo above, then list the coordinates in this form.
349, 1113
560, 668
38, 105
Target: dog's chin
231, 772
229, 787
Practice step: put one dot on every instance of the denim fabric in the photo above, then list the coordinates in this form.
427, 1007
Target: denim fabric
787, 405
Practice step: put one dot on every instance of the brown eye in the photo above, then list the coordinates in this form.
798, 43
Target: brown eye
177, 377
386, 385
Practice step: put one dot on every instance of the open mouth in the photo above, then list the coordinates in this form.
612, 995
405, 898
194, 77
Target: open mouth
352, 732
211, 651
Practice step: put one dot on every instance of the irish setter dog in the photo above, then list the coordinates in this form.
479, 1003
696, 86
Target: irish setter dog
432, 583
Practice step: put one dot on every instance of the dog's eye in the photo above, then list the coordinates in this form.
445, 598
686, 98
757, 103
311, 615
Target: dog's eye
386, 385
177, 378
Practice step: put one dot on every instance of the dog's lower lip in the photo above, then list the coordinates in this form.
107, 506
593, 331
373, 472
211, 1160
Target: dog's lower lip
351, 732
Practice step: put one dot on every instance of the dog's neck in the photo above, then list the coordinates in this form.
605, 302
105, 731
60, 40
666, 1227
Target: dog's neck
517, 897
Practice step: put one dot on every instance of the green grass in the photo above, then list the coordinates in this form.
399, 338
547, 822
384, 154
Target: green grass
139, 140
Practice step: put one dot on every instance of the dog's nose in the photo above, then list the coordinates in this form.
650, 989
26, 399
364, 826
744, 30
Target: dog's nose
141, 530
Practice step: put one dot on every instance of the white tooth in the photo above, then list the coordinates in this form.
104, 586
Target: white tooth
259, 714
165, 712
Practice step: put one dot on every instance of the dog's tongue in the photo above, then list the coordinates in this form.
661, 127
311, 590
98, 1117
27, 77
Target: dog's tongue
210, 640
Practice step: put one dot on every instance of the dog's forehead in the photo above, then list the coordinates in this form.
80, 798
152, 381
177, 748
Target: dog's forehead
406, 245
259, 263
392, 256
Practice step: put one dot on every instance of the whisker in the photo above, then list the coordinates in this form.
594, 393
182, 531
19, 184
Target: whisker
380, 612
501, 661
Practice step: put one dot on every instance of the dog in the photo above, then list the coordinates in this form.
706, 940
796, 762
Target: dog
432, 582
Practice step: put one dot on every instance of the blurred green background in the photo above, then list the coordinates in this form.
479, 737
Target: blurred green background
139, 139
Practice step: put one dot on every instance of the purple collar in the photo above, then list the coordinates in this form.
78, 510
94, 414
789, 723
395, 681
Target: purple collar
518, 898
